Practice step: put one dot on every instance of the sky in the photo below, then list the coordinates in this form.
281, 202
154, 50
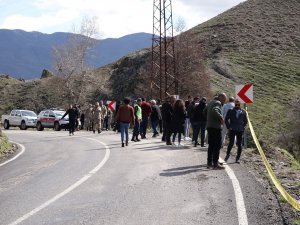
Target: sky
114, 18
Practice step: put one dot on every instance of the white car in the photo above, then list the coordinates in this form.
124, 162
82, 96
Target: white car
19, 118
51, 118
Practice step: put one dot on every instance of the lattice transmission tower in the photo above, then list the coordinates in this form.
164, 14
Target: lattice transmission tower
164, 80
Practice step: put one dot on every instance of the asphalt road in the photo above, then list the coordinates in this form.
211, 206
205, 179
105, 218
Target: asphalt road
88, 179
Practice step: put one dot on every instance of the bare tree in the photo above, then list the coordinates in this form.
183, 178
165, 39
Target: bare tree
190, 63
180, 26
70, 58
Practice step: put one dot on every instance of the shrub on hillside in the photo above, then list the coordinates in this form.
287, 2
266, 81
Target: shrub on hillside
293, 116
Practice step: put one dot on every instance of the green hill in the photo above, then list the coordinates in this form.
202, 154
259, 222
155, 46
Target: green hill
257, 41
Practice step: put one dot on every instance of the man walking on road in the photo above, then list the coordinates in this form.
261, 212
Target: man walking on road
215, 120
73, 117
236, 121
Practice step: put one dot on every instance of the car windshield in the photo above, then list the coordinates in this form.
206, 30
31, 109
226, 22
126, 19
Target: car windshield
59, 113
28, 113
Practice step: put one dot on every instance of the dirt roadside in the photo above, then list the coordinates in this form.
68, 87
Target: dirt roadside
287, 172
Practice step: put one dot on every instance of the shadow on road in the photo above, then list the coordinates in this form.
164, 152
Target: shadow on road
179, 171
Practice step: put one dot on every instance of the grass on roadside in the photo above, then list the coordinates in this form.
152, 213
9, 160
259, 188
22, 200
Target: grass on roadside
297, 221
5, 145
294, 163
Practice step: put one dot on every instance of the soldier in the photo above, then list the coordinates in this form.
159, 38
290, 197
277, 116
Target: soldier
107, 119
89, 118
103, 113
97, 117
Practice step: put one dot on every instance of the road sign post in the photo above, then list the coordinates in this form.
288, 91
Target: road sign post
244, 93
111, 105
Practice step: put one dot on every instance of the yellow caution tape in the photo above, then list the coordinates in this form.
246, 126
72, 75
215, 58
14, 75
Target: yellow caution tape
276, 182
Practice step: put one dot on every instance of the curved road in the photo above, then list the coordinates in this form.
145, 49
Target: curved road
89, 179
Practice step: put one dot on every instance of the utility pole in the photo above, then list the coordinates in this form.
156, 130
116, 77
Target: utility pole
164, 80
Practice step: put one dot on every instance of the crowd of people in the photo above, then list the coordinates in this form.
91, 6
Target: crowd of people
175, 119
95, 118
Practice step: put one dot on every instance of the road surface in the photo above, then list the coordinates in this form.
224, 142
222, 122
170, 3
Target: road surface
88, 179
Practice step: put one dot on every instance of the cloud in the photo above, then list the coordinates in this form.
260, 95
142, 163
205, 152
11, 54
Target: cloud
116, 17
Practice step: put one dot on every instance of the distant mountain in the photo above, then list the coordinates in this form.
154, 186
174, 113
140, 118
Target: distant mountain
26, 54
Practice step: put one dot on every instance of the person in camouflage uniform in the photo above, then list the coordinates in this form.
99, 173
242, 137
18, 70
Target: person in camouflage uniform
103, 113
97, 118
88, 119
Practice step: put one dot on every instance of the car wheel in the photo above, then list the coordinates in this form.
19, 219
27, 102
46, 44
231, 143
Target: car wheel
56, 126
6, 124
23, 125
39, 126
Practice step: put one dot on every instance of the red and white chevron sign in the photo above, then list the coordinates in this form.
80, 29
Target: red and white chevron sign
244, 93
111, 105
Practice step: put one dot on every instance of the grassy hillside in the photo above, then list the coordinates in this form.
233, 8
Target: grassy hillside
257, 41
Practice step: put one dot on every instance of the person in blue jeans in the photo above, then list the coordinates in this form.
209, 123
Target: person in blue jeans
155, 117
236, 121
125, 117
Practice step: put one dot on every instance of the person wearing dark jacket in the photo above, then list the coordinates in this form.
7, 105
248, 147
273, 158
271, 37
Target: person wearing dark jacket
190, 113
215, 121
167, 114
199, 121
73, 117
178, 120
155, 117
236, 121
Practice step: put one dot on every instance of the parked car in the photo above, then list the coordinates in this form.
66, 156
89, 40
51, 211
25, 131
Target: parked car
19, 118
51, 118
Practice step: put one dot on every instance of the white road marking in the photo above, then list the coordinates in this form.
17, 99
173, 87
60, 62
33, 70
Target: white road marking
239, 199
69, 189
20, 153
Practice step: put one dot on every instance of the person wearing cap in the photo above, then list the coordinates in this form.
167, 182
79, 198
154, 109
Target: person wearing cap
236, 121
137, 120
155, 117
